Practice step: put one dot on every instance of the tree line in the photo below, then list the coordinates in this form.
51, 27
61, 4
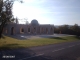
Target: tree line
67, 29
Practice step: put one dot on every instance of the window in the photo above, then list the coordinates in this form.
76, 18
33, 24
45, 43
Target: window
22, 30
12, 30
46, 30
28, 29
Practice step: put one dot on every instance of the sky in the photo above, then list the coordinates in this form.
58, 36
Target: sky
57, 12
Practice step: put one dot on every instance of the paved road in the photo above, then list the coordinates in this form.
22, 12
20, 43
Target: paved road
62, 51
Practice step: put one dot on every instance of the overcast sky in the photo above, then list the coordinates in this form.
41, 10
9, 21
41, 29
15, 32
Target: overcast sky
57, 12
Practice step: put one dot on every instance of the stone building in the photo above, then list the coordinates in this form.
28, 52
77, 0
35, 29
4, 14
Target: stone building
33, 28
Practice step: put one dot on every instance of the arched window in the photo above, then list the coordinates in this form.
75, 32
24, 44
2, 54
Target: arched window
34, 29
51, 30
28, 29
42, 30
6, 30
22, 30
46, 30
12, 30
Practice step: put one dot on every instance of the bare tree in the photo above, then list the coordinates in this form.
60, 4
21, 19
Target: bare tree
17, 22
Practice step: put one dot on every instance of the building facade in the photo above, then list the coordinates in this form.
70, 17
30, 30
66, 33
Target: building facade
33, 28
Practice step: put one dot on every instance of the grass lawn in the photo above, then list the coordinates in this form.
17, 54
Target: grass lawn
10, 43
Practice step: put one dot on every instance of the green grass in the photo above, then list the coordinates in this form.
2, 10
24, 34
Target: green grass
10, 43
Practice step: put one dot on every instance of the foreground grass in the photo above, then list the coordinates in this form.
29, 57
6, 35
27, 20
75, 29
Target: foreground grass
10, 43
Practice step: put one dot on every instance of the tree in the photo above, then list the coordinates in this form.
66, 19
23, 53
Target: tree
61, 29
6, 13
27, 22
65, 29
75, 29
17, 22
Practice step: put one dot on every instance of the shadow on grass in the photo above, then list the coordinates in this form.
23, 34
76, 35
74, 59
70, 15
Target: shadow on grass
2, 37
9, 46
77, 37
58, 38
